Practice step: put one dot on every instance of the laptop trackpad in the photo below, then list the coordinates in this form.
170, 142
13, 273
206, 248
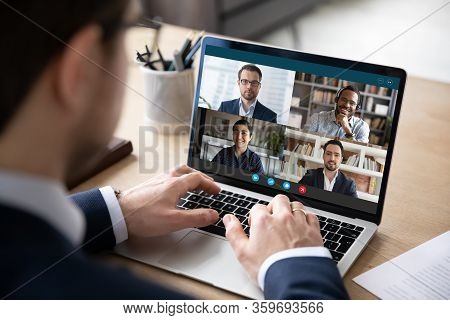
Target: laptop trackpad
209, 259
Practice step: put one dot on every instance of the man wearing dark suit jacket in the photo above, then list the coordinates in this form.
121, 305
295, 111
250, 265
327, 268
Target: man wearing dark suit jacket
249, 82
330, 178
55, 118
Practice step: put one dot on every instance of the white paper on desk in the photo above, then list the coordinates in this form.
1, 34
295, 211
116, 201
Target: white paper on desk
420, 273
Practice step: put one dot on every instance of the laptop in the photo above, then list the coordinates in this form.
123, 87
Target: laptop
298, 88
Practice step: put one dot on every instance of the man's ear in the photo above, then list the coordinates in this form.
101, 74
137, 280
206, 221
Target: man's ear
77, 66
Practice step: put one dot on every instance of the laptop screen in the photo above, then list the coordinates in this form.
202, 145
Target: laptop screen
318, 129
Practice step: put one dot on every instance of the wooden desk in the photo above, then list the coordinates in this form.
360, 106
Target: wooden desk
417, 204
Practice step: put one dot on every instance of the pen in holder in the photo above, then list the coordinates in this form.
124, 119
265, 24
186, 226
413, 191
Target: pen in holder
169, 86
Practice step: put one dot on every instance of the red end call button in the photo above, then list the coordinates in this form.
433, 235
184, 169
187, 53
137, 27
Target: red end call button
302, 189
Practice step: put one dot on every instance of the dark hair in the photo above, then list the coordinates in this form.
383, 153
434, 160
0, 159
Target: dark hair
350, 88
336, 143
245, 123
250, 67
35, 32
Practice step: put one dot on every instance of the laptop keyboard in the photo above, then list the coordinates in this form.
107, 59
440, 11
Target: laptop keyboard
338, 236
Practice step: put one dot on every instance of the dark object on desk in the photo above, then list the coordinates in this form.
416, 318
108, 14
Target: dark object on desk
116, 150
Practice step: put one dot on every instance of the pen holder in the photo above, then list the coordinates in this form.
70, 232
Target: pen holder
169, 98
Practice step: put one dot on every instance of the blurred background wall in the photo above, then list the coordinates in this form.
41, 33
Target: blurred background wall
411, 34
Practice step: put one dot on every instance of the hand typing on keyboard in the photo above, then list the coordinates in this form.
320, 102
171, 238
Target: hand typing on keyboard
273, 228
150, 208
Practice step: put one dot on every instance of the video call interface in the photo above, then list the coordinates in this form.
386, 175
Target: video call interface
316, 135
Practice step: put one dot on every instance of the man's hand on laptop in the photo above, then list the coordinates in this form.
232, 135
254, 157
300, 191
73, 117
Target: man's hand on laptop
273, 228
150, 208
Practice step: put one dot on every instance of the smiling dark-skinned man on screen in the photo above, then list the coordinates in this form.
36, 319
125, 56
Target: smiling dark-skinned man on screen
342, 121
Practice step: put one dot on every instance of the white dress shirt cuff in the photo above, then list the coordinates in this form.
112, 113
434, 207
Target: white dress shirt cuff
290, 253
116, 214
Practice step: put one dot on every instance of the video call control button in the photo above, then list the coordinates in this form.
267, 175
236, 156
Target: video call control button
270, 181
302, 189
255, 177
286, 185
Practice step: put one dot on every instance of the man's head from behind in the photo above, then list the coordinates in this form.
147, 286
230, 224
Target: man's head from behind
332, 155
249, 81
59, 76
242, 134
